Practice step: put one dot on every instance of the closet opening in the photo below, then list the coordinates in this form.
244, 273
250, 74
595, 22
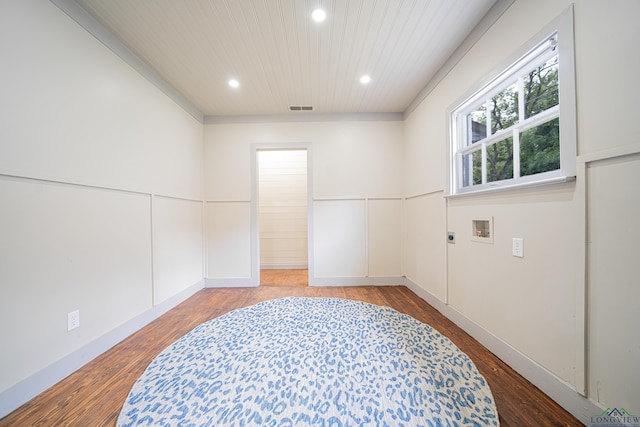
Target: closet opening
283, 217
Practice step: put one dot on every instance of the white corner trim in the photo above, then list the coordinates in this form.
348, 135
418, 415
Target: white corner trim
490, 18
612, 153
35, 384
558, 390
97, 30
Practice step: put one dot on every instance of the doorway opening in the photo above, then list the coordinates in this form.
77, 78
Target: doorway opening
283, 216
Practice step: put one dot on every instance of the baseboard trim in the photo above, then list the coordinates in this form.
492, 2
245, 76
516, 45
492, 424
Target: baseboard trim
560, 391
247, 282
356, 281
27, 389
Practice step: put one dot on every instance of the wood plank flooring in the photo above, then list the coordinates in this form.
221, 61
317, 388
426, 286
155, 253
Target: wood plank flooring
289, 278
93, 395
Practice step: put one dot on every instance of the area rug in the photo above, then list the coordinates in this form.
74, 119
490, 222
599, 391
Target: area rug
311, 362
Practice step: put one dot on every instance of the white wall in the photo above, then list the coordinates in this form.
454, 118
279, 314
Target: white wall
527, 302
354, 164
178, 245
229, 241
424, 159
101, 185
102, 177
65, 248
340, 235
424, 257
614, 278
384, 237
529, 310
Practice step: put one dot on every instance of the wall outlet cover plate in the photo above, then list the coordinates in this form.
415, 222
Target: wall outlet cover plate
517, 249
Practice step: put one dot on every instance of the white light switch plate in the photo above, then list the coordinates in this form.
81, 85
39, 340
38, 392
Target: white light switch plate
518, 247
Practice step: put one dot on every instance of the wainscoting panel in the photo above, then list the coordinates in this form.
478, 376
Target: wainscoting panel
424, 242
385, 237
65, 248
614, 278
177, 246
340, 238
229, 241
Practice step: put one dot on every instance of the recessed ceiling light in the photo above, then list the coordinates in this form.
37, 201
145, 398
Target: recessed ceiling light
319, 15
234, 83
365, 79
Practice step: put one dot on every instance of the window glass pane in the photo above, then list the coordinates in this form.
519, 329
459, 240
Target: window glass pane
541, 88
472, 168
477, 124
504, 109
540, 148
500, 160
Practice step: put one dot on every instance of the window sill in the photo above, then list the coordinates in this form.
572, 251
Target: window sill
511, 187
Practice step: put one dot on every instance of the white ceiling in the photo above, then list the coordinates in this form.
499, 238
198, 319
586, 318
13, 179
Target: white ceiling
281, 57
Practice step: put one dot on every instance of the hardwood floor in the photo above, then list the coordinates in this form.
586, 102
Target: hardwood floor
284, 278
93, 395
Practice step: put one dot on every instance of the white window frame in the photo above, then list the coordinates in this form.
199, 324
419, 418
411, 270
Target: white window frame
555, 38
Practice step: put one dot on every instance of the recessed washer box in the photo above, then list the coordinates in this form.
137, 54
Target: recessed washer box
482, 230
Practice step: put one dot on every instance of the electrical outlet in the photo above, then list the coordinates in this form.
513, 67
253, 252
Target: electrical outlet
73, 320
517, 247
451, 237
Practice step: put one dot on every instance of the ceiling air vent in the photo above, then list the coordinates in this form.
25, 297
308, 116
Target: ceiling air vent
300, 107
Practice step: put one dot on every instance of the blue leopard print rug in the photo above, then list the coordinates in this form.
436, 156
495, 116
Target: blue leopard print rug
311, 362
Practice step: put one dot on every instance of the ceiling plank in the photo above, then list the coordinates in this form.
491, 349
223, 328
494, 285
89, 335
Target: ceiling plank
282, 57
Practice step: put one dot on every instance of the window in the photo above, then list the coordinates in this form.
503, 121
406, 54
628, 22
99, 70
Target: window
519, 128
